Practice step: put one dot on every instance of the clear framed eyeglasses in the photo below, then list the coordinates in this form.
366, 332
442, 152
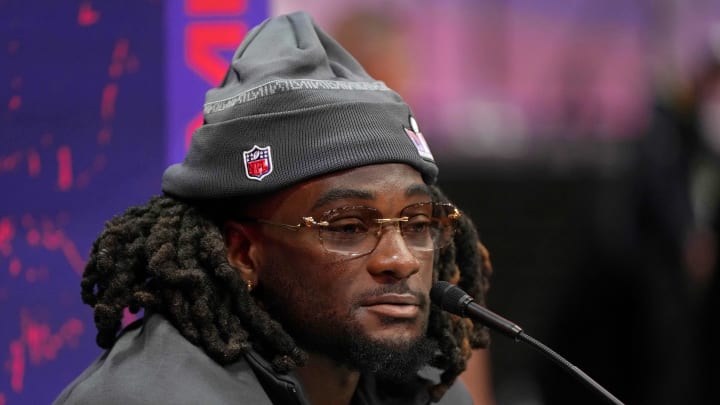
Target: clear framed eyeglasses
356, 230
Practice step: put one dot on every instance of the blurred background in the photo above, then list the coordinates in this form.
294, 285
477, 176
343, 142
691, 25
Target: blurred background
582, 136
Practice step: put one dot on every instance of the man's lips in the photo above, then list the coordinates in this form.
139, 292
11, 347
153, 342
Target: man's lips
393, 299
393, 305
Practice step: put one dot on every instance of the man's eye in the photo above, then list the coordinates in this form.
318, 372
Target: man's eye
417, 224
347, 226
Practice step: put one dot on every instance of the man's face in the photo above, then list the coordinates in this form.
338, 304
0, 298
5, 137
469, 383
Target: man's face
334, 304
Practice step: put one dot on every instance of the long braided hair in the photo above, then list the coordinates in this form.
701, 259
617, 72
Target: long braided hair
168, 257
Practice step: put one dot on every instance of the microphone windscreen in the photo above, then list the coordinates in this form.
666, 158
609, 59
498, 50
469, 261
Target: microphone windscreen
449, 297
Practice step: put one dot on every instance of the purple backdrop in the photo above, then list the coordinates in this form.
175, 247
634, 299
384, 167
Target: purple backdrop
96, 97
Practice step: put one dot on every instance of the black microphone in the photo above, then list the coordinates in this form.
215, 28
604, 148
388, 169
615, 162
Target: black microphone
456, 301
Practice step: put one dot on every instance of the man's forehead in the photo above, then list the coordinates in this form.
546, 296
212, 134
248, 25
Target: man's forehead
367, 182
343, 193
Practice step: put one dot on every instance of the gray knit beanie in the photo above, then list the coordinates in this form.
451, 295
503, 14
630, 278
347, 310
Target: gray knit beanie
294, 105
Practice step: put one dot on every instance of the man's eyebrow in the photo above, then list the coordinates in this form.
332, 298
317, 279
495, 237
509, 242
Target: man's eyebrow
418, 190
343, 193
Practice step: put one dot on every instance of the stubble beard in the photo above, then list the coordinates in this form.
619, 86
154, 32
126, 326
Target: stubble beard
341, 338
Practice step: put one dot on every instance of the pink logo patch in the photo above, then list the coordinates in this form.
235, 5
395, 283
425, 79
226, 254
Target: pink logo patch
258, 162
418, 139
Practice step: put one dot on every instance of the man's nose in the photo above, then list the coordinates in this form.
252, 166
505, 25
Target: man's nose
392, 257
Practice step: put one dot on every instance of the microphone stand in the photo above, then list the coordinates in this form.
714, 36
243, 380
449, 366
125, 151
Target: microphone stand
567, 366
456, 301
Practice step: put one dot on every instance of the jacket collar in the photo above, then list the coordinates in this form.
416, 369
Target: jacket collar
286, 388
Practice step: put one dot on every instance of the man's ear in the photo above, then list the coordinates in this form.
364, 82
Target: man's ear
240, 246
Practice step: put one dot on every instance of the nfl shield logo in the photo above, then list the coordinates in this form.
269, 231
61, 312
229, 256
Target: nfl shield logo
258, 162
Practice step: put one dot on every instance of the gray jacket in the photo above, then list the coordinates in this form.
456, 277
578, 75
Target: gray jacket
151, 363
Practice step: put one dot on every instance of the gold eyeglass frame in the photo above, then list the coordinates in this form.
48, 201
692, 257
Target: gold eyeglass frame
310, 222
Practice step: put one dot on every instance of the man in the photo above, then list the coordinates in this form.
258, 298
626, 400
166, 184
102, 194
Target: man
290, 258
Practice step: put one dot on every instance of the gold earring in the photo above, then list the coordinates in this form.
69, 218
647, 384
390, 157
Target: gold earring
250, 285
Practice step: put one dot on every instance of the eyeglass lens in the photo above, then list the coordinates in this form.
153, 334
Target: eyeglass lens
356, 230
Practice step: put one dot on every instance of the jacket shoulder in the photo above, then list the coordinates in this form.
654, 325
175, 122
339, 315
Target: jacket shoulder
154, 363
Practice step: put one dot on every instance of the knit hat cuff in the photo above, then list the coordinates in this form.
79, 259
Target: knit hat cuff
235, 158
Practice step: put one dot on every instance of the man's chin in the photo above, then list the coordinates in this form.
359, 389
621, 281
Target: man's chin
395, 336
394, 359
393, 350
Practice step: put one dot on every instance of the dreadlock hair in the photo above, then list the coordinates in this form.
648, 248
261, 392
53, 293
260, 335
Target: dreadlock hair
466, 263
168, 257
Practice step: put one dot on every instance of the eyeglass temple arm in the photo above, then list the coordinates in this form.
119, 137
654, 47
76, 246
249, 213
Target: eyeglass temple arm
286, 226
